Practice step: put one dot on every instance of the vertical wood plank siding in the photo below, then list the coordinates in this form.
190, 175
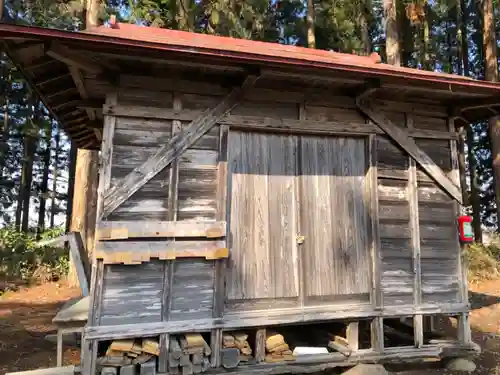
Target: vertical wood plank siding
276, 182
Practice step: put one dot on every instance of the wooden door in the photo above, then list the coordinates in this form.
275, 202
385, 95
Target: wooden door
263, 265
334, 220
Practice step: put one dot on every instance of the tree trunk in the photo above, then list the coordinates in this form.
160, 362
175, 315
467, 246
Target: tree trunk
365, 29
71, 185
45, 184
83, 218
491, 74
184, 15
310, 22
426, 33
463, 68
26, 188
4, 144
391, 33
406, 38
53, 207
92, 13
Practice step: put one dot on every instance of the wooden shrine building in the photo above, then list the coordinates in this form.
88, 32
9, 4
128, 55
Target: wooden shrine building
249, 188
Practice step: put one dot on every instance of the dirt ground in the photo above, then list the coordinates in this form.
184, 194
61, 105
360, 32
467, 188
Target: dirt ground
26, 314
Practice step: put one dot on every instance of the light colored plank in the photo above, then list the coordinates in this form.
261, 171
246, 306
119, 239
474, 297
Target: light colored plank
403, 139
176, 147
115, 230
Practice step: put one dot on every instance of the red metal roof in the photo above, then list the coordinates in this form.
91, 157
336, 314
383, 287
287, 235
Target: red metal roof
134, 36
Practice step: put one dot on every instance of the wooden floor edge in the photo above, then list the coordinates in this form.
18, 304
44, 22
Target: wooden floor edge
64, 370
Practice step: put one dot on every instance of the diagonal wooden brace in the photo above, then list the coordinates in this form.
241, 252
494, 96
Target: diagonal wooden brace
173, 149
403, 139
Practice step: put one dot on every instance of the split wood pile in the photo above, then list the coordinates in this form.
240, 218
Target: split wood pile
277, 349
235, 349
130, 357
188, 354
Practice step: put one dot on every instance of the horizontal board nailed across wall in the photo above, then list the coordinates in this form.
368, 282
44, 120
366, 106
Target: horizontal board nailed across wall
392, 161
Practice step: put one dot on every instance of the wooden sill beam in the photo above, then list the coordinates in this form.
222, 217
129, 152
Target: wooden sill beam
403, 139
477, 104
177, 145
65, 55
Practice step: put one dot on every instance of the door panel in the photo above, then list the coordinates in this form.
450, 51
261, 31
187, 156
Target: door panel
263, 261
334, 220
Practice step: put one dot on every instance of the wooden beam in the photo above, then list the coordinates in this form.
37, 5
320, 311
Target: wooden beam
175, 147
77, 76
259, 122
116, 230
403, 139
52, 78
65, 55
477, 103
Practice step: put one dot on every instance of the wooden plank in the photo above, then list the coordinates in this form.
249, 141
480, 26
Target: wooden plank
63, 54
373, 198
415, 242
176, 147
403, 139
263, 183
333, 183
257, 319
106, 158
77, 252
352, 335
119, 230
222, 182
262, 123
129, 252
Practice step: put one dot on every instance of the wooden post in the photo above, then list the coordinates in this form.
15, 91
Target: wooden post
418, 329
83, 218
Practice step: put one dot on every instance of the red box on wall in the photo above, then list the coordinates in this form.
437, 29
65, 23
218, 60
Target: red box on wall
465, 231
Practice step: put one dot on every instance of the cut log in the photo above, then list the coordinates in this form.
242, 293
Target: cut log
114, 361
207, 350
228, 341
197, 368
188, 369
274, 340
122, 345
148, 368
128, 370
340, 347
192, 340
230, 357
197, 358
185, 360
151, 346
280, 348
205, 365
143, 358
308, 350
173, 362
175, 350
109, 371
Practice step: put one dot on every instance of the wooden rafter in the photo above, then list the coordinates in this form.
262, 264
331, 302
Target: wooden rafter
76, 74
173, 149
404, 140
65, 55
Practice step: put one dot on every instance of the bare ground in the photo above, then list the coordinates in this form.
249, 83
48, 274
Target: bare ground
26, 315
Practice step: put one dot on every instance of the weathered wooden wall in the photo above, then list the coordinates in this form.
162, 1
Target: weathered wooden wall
299, 202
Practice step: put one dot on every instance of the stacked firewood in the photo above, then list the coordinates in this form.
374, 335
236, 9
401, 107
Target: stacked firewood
130, 352
235, 349
277, 350
188, 354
